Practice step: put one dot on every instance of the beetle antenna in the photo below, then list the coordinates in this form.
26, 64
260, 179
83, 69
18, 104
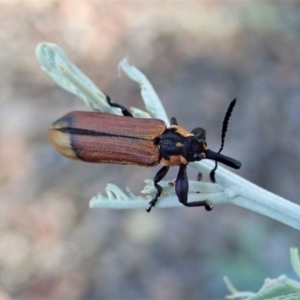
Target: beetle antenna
224, 130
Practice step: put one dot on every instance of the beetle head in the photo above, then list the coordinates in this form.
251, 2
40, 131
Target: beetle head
200, 150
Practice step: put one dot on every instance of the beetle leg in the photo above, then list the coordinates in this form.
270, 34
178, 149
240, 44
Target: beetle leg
173, 121
158, 177
124, 110
182, 185
182, 188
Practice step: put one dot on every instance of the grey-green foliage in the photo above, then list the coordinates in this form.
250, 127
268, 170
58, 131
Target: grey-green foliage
281, 288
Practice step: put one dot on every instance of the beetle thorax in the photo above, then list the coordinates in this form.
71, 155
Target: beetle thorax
176, 149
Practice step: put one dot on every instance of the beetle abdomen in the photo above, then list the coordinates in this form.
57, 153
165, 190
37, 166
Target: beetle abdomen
105, 138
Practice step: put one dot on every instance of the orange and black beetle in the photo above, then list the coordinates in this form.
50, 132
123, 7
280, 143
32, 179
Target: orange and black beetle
105, 138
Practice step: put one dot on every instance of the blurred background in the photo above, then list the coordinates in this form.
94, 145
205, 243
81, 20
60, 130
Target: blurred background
198, 56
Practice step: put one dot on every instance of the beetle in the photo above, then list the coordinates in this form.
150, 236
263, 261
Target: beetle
105, 138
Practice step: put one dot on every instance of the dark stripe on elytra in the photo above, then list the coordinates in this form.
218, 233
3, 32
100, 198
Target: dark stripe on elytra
77, 131
69, 121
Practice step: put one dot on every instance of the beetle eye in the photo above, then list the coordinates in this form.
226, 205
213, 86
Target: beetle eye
199, 133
